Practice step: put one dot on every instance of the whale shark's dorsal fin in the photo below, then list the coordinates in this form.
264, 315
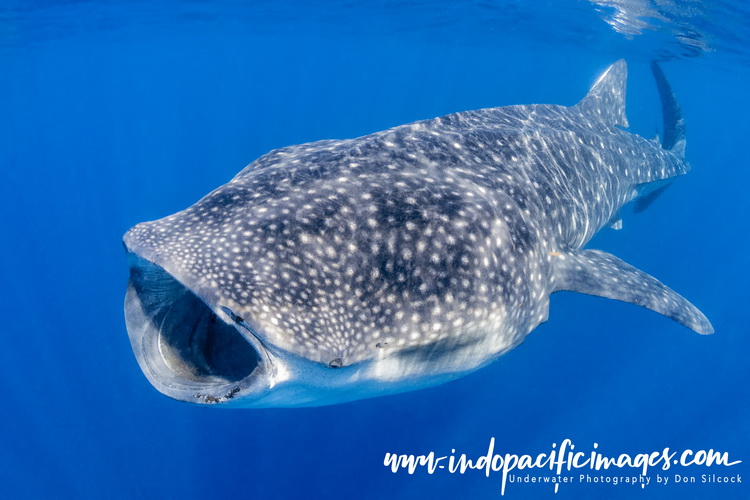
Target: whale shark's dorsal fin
606, 99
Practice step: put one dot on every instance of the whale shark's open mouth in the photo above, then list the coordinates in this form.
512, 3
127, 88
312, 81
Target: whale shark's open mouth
185, 349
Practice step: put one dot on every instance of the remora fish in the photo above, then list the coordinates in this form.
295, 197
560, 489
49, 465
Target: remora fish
346, 269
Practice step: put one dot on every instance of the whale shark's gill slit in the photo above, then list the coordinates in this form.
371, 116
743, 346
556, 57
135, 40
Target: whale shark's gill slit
183, 335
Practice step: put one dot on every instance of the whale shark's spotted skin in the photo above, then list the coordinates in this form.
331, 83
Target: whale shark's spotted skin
351, 268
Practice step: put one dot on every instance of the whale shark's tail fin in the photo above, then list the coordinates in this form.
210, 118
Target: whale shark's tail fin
674, 124
674, 137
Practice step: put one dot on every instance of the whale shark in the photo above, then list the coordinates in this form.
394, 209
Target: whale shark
344, 269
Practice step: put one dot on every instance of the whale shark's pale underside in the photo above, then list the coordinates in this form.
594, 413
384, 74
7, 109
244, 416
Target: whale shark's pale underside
345, 269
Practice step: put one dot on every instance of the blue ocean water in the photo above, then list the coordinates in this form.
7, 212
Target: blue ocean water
114, 113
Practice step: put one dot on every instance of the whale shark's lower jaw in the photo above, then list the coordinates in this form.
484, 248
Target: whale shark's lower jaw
184, 348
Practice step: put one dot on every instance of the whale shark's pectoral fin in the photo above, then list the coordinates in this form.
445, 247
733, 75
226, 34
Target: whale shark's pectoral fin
594, 272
